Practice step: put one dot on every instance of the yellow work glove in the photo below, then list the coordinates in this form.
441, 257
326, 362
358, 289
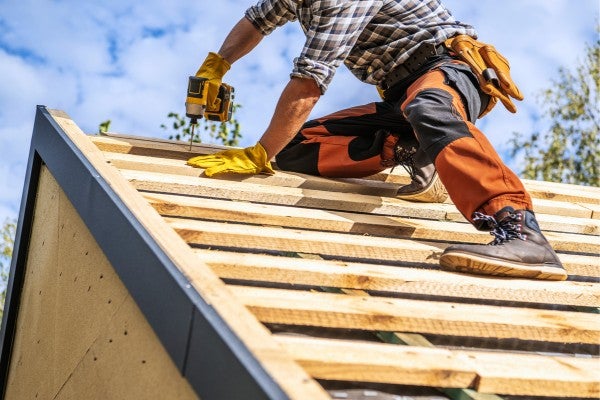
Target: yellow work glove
251, 160
491, 68
213, 68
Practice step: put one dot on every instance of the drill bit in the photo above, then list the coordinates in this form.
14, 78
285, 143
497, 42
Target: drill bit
193, 124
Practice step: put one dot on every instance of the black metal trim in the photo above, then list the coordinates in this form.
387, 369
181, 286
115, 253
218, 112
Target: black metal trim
181, 318
17, 266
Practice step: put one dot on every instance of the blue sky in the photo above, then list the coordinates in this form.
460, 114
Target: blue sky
129, 61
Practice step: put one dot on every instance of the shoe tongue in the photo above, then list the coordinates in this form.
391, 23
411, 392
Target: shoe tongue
503, 213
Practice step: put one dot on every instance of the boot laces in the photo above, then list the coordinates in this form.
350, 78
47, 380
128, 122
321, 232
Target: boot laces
404, 157
508, 228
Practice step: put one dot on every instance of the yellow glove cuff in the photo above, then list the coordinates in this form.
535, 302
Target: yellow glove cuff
213, 67
259, 155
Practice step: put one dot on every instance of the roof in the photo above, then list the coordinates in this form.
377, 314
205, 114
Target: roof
294, 286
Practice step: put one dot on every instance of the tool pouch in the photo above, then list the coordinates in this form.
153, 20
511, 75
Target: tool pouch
491, 68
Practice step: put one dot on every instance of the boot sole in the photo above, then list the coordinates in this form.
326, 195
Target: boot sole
435, 192
465, 262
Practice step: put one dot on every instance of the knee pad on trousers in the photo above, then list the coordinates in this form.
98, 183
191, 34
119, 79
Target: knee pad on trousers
435, 120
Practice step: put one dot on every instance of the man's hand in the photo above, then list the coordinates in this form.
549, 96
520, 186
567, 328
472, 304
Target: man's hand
251, 160
213, 69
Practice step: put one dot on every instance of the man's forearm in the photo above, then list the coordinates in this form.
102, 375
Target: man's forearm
241, 40
293, 108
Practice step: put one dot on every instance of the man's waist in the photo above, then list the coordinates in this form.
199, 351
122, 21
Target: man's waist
424, 53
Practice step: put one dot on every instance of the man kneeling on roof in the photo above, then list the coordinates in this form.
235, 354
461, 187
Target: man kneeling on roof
435, 80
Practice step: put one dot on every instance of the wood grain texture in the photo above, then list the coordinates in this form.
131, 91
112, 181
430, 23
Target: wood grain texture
445, 318
342, 221
358, 219
382, 278
492, 372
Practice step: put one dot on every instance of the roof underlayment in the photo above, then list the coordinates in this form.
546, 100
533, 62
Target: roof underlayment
294, 286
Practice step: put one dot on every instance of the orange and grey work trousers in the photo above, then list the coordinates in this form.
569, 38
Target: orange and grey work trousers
437, 111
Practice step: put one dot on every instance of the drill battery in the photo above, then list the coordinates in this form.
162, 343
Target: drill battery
196, 105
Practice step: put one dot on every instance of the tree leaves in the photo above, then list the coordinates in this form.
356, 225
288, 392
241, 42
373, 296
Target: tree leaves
226, 133
7, 240
569, 150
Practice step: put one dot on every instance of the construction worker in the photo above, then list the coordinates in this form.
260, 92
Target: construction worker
435, 80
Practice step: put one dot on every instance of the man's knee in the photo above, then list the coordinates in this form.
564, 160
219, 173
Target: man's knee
435, 120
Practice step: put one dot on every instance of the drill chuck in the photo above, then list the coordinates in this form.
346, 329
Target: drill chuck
194, 111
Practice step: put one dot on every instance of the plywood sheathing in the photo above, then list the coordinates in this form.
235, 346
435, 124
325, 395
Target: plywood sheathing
79, 333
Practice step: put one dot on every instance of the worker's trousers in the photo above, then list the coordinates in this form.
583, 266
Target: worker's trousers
438, 111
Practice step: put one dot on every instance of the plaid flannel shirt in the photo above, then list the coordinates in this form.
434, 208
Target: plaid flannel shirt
371, 37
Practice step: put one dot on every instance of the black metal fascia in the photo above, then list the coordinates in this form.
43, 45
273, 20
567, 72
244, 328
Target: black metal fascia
207, 352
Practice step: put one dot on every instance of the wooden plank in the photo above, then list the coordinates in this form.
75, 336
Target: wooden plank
316, 219
531, 375
537, 189
569, 242
594, 208
543, 206
244, 191
563, 191
151, 146
373, 362
382, 278
290, 376
297, 307
556, 223
499, 372
250, 237
563, 208
581, 265
281, 178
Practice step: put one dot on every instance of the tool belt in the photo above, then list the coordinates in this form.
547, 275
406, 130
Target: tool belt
491, 68
417, 60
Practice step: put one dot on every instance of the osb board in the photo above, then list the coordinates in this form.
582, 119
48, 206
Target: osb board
79, 334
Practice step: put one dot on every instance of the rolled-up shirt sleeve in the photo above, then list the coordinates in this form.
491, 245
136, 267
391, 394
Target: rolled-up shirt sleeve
267, 15
335, 27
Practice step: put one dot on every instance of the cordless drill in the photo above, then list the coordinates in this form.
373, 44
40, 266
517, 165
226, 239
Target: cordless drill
196, 106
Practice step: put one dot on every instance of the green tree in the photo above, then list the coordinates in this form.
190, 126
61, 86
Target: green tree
569, 151
226, 133
103, 127
7, 240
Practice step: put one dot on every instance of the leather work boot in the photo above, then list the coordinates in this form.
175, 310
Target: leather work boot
425, 186
518, 250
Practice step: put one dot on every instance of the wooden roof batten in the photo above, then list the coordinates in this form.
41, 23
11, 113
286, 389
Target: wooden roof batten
299, 285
